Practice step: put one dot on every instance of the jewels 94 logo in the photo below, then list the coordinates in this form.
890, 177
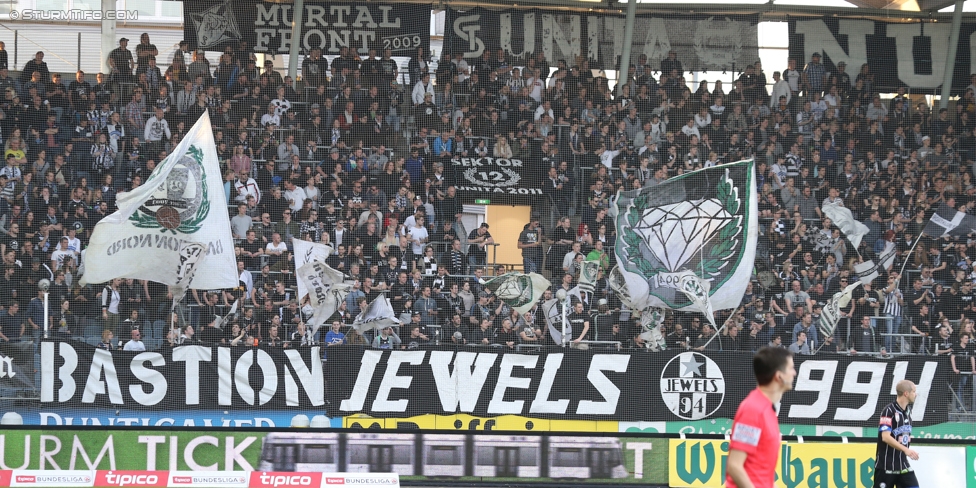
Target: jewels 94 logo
692, 386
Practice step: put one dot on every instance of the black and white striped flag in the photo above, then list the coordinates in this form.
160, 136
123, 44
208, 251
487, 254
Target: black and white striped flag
831, 312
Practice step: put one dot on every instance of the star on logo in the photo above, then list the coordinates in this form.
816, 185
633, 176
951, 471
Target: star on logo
691, 365
215, 25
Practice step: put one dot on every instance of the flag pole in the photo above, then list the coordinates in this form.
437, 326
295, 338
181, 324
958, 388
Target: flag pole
912, 249
46, 314
172, 314
566, 303
724, 325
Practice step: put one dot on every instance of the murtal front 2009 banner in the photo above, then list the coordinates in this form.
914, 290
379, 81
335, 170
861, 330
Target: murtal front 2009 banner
266, 26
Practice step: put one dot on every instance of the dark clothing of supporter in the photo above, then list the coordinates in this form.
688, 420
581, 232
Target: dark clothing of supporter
577, 323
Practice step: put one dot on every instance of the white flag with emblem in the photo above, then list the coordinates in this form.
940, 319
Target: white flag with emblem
589, 274
182, 202
553, 314
705, 222
306, 252
520, 291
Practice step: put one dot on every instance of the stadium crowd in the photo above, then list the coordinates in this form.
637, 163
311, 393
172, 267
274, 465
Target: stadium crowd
358, 157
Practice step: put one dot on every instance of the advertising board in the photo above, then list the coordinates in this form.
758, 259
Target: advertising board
701, 464
148, 455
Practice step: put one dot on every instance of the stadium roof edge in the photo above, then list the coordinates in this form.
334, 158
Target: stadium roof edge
861, 9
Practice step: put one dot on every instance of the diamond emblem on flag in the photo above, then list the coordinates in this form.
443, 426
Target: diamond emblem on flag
675, 233
690, 235
696, 224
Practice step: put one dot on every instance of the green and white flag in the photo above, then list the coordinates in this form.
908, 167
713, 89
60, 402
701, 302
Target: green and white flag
696, 289
589, 274
652, 320
618, 283
552, 312
705, 223
181, 203
520, 291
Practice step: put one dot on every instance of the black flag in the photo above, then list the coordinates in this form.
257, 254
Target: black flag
949, 221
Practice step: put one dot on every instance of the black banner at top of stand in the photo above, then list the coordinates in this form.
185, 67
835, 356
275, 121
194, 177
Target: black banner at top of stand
896, 54
266, 26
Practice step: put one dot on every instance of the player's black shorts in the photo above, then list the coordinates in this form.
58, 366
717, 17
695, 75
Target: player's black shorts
895, 480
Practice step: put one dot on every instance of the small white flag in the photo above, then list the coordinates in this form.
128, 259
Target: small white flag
306, 252
845, 221
377, 315
589, 274
887, 257
553, 314
326, 291
220, 321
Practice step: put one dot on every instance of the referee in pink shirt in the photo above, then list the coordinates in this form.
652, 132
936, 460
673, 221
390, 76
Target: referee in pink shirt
754, 449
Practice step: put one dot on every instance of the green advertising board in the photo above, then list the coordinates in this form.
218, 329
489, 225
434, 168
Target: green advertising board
724, 426
947, 430
970, 466
644, 459
93, 449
